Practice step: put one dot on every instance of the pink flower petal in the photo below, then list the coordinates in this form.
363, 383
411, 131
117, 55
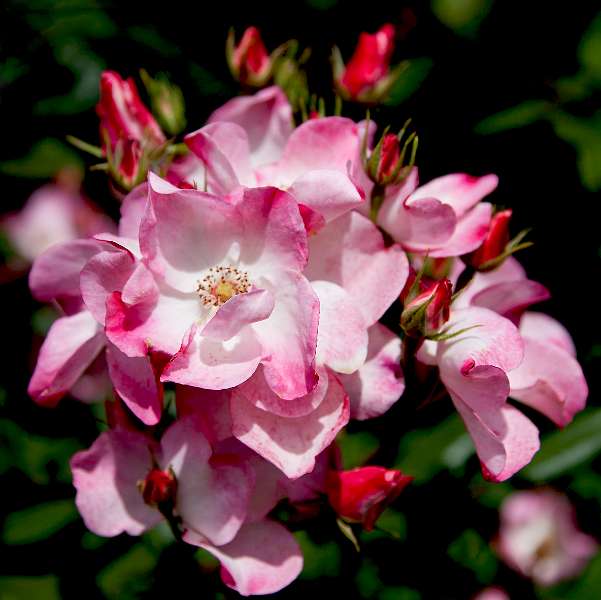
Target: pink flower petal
211, 409
267, 119
132, 211
237, 312
331, 193
542, 328
342, 335
257, 392
459, 190
379, 383
289, 338
212, 500
185, 232
70, 347
214, 365
136, 383
350, 251
106, 477
549, 380
224, 150
291, 444
55, 274
262, 559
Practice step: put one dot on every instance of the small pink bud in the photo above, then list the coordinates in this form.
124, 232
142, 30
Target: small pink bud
249, 62
496, 240
159, 487
361, 495
123, 114
370, 62
427, 312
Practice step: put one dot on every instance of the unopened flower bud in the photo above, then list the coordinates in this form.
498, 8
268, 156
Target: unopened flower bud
123, 115
128, 164
367, 77
361, 495
428, 311
496, 240
159, 487
167, 102
248, 61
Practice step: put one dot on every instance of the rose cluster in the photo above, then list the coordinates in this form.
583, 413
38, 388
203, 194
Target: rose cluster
250, 272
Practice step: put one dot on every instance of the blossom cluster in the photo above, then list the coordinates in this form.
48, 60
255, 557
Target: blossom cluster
251, 272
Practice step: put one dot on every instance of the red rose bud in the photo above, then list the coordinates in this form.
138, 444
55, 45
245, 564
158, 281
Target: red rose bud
389, 156
495, 243
159, 487
366, 77
128, 164
427, 312
123, 115
361, 495
248, 61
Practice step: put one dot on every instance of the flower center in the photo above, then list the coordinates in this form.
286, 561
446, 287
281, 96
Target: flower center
159, 487
220, 284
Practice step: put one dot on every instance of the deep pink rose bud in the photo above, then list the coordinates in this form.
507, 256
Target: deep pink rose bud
495, 242
123, 115
427, 312
365, 77
361, 495
248, 61
158, 487
128, 163
389, 156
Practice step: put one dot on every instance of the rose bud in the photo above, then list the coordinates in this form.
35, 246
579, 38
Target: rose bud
122, 114
248, 61
427, 312
128, 164
167, 102
495, 242
367, 77
361, 495
159, 487
390, 162
539, 537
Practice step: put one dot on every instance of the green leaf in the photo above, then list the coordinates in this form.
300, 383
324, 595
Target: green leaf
425, 452
348, 533
29, 588
32, 454
45, 159
462, 16
563, 450
390, 523
129, 575
367, 579
409, 80
321, 560
472, 552
588, 584
517, 116
585, 136
356, 448
589, 51
11, 69
398, 593
38, 522
42, 319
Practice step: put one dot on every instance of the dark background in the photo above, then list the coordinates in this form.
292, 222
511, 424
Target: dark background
504, 53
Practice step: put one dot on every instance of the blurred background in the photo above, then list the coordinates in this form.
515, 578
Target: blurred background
508, 87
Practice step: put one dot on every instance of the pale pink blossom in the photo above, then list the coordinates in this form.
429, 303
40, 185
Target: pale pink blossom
52, 214
120, 483
539, 537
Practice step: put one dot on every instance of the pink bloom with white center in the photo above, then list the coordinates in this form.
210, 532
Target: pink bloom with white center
125, 479
220, 288
53, 214
492, 593
549, 378
475, 368
539, 537
444, 217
